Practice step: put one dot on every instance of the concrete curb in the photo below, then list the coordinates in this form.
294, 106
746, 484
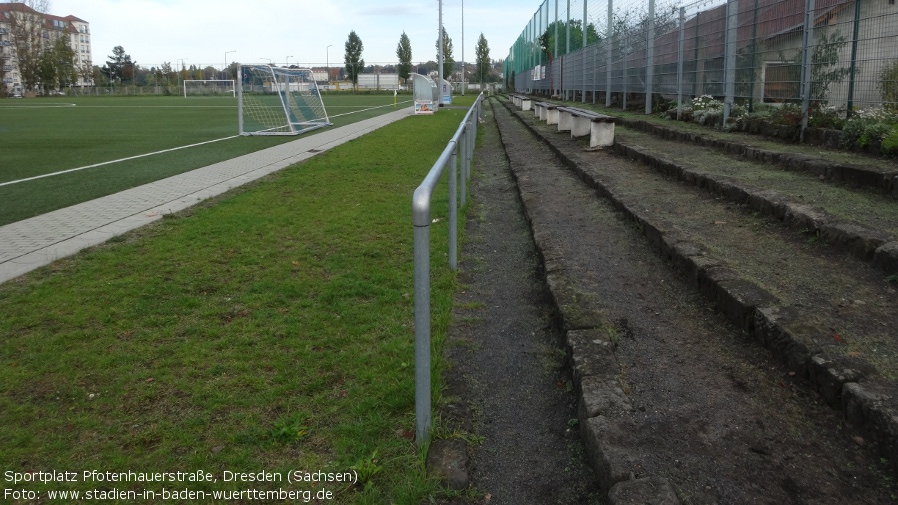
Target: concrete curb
850, 386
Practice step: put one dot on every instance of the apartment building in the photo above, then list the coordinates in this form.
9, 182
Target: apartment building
20, 20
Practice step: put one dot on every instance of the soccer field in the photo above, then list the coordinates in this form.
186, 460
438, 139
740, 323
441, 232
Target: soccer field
46, 136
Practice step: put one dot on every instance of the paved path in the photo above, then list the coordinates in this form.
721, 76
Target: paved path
31, 243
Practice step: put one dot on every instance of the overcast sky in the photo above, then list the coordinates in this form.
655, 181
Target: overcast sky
202, 31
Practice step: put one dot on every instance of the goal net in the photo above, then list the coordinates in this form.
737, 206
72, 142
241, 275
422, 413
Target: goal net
210, 87
278, 101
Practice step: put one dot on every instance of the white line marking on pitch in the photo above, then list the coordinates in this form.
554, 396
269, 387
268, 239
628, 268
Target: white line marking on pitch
114, 161
363, 110
9, 183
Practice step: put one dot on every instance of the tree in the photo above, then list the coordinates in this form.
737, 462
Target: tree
353, 58
428, 68
99, 77
26, 28
547, 39
119, 67
448, 62
56, 66
482, 55
86, 73
404, 53
232, 70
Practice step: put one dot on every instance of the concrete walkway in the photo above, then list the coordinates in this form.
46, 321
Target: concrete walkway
31, 243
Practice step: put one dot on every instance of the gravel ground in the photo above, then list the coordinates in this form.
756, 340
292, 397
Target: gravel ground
508, 368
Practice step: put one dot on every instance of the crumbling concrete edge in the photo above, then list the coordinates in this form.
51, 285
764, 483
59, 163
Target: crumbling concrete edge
849, 385
864, 243
884, 181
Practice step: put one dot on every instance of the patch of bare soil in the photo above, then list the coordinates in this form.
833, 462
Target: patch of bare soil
508, 389
712, 412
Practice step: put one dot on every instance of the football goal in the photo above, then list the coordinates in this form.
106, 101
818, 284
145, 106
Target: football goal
278, 101
209, 87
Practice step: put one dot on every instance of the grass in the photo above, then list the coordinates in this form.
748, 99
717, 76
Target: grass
43, 136
270, 331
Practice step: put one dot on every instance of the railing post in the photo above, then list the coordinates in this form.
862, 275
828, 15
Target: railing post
453, 208
465, 142
422, 324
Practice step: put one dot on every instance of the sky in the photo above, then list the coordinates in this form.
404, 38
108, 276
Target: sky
206, 32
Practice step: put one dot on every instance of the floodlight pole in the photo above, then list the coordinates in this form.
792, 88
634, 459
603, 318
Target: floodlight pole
462, 47
287, 64
327, 57
440, 100
226, 62
181, 61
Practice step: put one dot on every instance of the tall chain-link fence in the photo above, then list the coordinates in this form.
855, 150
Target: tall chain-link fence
839, 54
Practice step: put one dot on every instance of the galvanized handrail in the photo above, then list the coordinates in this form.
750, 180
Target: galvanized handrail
463, 140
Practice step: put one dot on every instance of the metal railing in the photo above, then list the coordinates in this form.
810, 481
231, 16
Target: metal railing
462, 144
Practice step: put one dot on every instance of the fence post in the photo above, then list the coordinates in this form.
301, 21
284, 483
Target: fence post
609, 51
681, 45
730, 74
623, 52
595, 70
806, 65
583, 51
650, 59
754, 59
567, 47
853, 68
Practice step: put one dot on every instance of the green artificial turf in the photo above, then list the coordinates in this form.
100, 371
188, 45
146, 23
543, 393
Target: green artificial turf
49, 135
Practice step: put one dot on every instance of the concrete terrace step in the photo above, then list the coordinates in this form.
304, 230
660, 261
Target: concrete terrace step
862, 223
807, 338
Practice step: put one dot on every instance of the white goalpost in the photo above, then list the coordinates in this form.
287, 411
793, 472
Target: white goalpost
209, 87
278, 101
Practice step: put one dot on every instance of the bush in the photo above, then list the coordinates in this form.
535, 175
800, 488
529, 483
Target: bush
825, 117
869, 129
888, 87
787, 115
890, 142
706, 102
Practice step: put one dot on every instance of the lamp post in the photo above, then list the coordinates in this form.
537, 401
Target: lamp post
440, 73
462, 47
226, 62
327, 59
181, 69
288, 60
263, 58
